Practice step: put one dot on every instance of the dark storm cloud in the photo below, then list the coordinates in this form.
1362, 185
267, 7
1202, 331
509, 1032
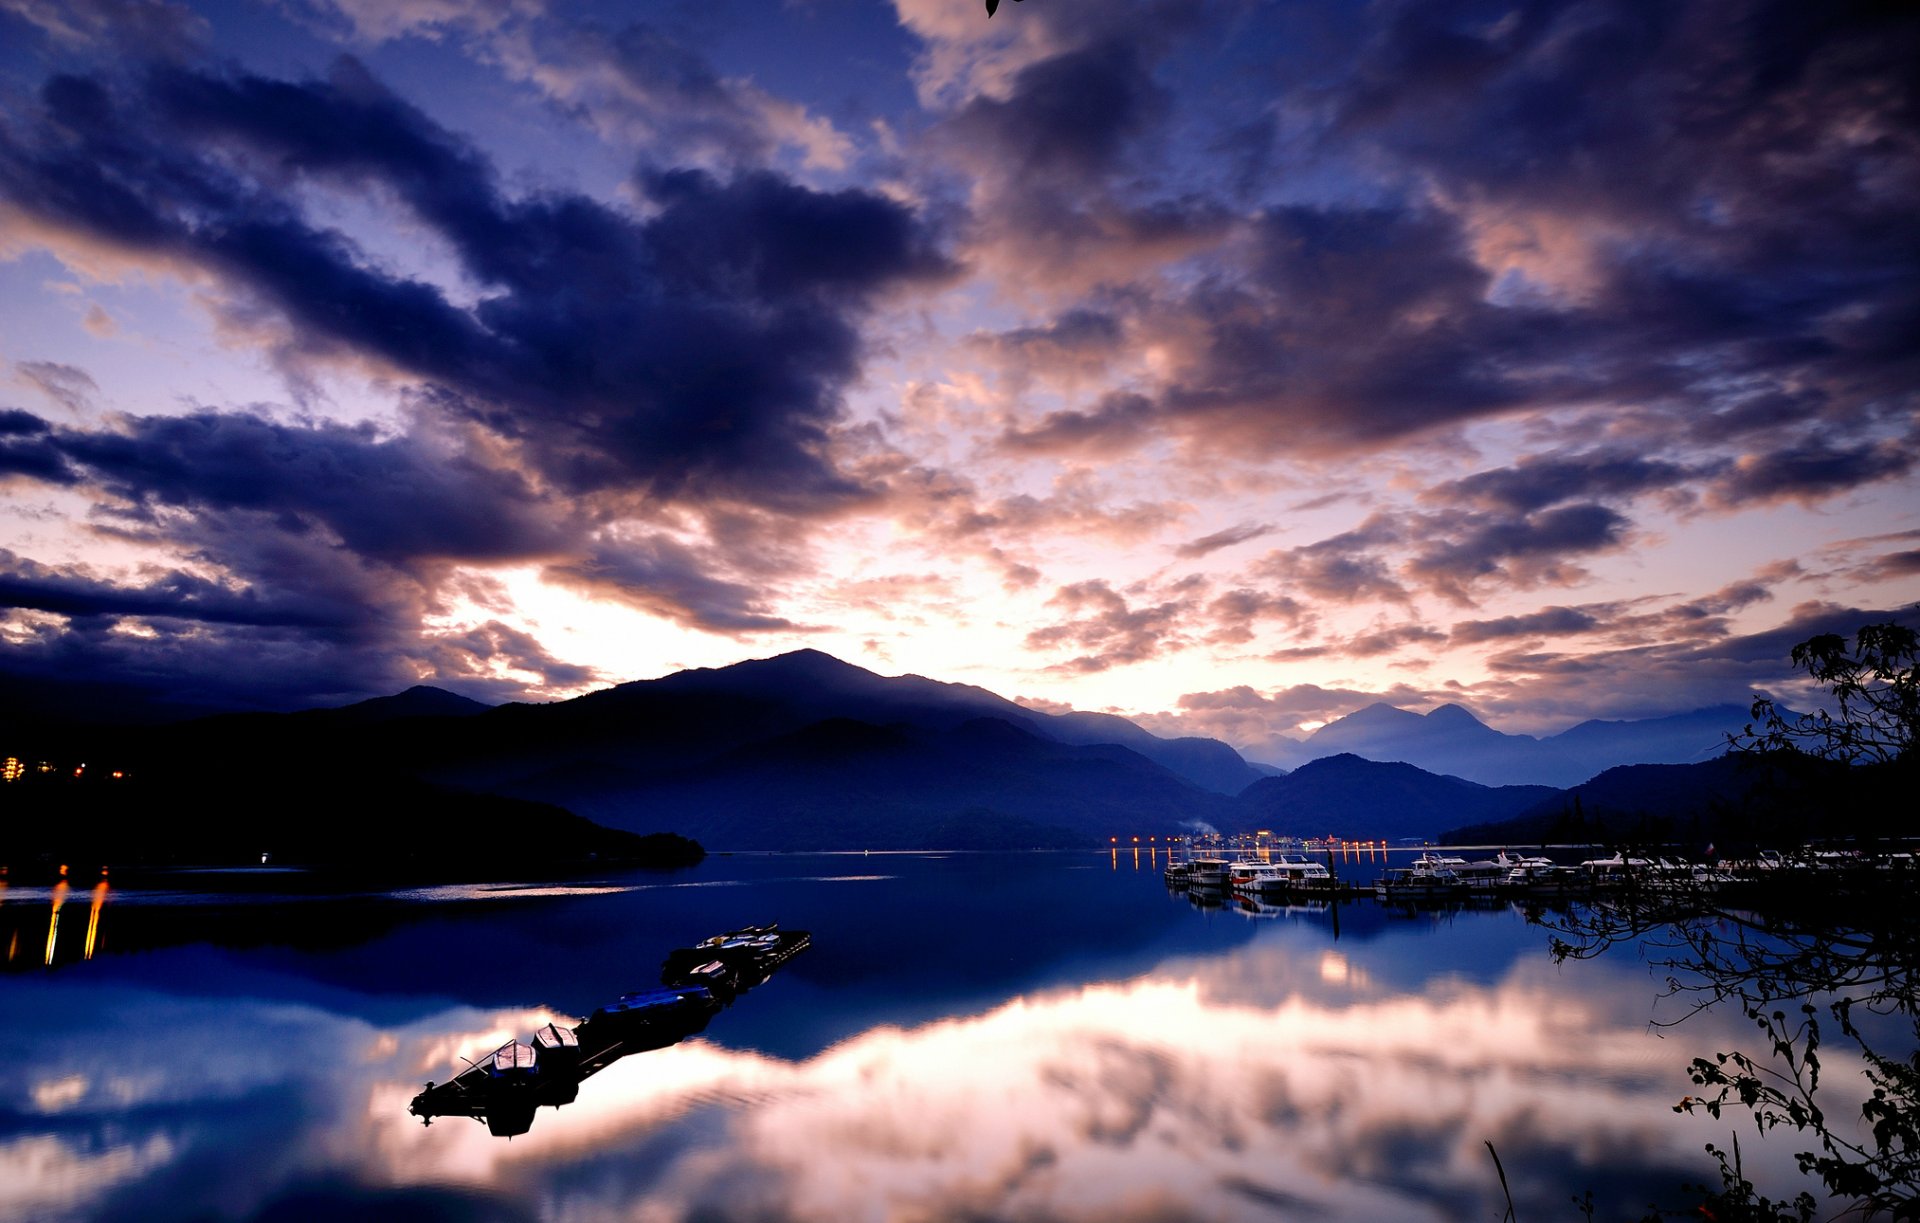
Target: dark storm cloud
697, 353
27, 449
1484, 547
1075, 331
1698, 620
1077, 344
1549, 621
1701, 212
1762, 155
326, 544
666, 578
1114, 426
1654, 676
394, 500
1810, 470
171, 596
1064, 186
479, 649
1450, 553
1354, 327
313, 625
1069, 116
1535, 483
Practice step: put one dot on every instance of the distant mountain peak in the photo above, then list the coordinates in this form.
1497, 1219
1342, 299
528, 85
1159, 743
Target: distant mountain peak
805, 659
1453, 715
419, 701
1377, 714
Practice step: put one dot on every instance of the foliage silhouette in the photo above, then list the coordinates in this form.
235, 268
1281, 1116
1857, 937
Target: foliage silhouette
1875, 687
1818, 952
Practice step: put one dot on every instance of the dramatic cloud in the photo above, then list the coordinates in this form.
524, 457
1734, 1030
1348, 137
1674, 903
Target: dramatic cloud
397, 500
1547, 622
1113, 631
1525, 551
1812, 471
663, 576
1543, 480
1095, 349
699, 352
1113, 428
27, 449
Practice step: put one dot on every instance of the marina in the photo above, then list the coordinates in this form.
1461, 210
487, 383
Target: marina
1443, 875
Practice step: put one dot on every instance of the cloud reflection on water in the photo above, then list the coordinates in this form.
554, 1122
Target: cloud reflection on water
1276, 1080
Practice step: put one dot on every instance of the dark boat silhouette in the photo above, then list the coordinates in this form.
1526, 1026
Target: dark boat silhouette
504, 1088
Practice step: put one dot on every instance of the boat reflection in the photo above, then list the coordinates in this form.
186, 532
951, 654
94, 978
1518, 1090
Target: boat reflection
505, 1088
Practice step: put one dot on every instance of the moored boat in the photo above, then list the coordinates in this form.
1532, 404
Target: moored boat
1207, 873
504, 1088
731, 963
1288, 876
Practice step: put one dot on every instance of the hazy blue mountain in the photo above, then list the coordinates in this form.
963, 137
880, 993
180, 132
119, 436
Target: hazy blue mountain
697, 715
1348, 796
845, 784
1207, 763
1450, 740
1733, 799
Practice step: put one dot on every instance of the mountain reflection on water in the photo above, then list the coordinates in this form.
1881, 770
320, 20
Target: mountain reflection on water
984, 1036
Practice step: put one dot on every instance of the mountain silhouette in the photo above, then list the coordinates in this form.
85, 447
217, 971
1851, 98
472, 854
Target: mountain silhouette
1347, 796
1451, 740
805, 751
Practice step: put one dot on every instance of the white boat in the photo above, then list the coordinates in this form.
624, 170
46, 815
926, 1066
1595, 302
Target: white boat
1246, 876
1289, 875
1429, 877
1207, 873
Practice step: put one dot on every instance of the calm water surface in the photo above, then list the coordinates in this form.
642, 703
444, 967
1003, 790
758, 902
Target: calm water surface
1031, 1037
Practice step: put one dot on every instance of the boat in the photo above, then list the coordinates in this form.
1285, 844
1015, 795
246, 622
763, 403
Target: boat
1281, 877
504, 1088
732, 963
1207, 873
1429, 878
1244, 876
512, 1063
655, 1017
558, 1048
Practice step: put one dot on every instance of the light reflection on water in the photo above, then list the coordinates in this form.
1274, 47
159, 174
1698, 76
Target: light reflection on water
984, 1037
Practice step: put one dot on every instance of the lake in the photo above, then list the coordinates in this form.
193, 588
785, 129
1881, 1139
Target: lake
971, 1036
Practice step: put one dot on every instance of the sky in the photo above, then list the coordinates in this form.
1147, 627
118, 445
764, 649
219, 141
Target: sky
1230, 364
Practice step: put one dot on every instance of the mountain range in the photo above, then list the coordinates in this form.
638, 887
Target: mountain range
804, 751
1450, 739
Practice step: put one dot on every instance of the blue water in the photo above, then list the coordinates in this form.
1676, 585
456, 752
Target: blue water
1032, 1036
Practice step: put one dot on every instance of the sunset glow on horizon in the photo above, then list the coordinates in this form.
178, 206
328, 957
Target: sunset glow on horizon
1227, 365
